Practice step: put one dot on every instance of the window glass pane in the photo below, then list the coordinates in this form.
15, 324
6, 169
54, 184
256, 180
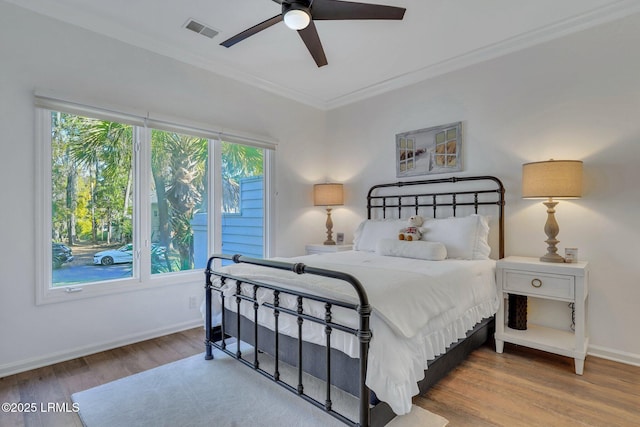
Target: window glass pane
179, 197
91, 200
243, 200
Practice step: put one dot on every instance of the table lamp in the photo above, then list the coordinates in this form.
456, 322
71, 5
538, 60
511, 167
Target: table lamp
552, 179
328, 195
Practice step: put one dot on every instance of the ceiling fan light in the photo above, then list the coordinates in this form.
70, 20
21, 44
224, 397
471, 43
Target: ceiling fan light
297, 19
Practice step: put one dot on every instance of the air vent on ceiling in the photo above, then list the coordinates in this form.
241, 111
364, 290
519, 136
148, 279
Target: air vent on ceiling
199, 28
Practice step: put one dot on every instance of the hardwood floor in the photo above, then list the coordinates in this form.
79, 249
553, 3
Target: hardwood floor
520, 387
525, 387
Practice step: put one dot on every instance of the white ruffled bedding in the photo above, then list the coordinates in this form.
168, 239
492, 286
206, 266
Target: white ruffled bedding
419, 309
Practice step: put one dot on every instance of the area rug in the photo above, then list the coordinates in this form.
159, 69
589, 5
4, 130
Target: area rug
194, 392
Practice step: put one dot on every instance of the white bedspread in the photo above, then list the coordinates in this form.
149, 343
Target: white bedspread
419, 309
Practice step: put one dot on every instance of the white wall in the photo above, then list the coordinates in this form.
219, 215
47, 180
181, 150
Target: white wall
574, 98
38, 53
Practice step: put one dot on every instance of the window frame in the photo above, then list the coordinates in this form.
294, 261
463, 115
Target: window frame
142, 276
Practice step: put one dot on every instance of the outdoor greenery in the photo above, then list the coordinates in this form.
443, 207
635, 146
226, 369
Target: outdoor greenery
92, 184
238, 162
91, 179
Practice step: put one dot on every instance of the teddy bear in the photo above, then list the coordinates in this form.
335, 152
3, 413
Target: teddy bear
412, 231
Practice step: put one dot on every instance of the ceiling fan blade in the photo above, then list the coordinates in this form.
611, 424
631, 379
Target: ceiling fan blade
251, 31
339, 10
311, 39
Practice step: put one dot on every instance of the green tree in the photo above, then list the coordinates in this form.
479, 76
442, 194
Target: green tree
104, 151
64, 132
238, 161
178, 165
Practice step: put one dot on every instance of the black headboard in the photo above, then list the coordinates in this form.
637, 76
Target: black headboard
448, 195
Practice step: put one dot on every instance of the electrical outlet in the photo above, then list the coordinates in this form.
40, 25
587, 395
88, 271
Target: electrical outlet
192, 302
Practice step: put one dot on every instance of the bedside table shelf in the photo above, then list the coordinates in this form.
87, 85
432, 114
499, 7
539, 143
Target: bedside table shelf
545, 281
544, 338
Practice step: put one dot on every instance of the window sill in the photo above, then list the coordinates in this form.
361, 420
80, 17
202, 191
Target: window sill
98, 289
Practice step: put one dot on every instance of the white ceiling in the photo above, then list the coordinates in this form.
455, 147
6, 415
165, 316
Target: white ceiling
365, 57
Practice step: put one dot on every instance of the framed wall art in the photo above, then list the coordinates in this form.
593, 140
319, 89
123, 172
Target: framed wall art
432, 150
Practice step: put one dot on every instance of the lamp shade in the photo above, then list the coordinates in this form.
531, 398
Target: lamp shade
328, 195
552, 178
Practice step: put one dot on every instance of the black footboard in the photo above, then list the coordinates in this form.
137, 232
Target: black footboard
249, 331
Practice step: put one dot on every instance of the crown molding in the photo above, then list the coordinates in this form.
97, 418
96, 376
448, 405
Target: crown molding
593, 18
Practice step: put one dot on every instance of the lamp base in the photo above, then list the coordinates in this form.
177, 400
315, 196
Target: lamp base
551, 258
329, 225
551, 229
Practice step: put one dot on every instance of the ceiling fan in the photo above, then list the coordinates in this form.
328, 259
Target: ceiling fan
300, 14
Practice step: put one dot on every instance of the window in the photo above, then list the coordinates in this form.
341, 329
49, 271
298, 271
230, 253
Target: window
124, 202
178, 193
91, 198
243, 200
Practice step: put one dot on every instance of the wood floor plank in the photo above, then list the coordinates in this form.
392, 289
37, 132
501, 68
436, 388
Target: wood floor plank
520, 387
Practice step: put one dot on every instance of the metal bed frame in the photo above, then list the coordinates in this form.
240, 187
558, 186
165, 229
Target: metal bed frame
297, 352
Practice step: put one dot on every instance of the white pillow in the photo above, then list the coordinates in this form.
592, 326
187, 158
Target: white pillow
464, 237
418, 249
370, 231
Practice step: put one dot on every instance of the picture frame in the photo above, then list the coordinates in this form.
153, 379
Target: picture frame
433, 150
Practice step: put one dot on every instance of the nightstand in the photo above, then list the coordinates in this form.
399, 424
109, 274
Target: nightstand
546, 281
319, 248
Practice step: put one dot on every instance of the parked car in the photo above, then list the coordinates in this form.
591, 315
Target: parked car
124, 254
60, 254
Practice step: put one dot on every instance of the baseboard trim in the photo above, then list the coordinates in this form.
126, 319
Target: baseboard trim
38, 362
614, 355
50, 359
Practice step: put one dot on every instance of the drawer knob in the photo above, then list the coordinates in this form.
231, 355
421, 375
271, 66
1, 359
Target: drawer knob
536, 283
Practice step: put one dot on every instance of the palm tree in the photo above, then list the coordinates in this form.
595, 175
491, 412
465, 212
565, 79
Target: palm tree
238, 161
178, 169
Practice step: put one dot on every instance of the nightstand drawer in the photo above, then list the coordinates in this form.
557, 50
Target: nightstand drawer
547, 285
